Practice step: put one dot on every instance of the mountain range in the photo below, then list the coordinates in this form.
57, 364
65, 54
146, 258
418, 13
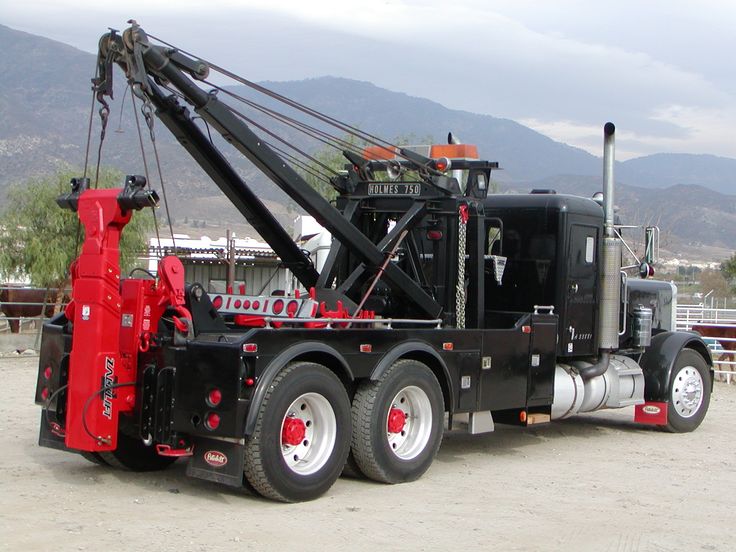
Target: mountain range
45, 101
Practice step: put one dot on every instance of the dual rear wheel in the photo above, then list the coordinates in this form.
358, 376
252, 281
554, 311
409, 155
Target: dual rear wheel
302, 435
397, 423
307, 427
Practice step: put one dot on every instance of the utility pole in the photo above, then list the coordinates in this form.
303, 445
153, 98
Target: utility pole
230, 260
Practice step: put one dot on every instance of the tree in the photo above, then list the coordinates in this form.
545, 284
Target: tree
315, 172
728, 269
39, 240
714, 280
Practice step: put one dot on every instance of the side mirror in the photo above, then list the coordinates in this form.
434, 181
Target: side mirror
651, 244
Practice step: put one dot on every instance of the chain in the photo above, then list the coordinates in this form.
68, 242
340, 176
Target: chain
460, 290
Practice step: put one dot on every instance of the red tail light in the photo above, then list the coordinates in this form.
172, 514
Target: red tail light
212, 421
214, 397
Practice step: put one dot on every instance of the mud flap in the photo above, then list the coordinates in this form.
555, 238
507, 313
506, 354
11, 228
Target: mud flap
47, 437
217, 460
651, 413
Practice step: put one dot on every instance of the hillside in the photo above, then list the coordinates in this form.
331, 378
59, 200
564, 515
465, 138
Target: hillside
523, 153
667, 169
695, 222
45, 104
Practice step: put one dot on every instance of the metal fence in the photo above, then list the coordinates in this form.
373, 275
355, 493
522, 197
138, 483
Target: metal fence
27, 322
718, 328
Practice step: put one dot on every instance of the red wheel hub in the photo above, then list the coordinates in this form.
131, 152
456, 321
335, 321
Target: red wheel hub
396, 420
293, 432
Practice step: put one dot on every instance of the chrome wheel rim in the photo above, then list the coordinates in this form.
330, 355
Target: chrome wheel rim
409, 440
687, 391
313, 413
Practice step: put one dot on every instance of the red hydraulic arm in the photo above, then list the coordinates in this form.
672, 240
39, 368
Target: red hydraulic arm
95, 311
102, 367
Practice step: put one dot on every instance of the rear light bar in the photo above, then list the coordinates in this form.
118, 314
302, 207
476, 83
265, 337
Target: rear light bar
293, 307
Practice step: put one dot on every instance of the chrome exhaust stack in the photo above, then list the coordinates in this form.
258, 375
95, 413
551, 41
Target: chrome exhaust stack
610, 269
609, 156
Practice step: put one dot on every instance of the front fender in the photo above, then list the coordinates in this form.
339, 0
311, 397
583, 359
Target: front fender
659, 358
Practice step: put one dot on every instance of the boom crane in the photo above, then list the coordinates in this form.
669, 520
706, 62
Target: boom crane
145, 63
435, 300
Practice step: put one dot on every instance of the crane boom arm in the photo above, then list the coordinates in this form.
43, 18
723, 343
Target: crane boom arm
142, 61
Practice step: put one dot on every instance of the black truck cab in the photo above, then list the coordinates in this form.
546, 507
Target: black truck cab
551, 243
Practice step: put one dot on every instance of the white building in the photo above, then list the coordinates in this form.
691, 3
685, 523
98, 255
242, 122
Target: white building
258, 270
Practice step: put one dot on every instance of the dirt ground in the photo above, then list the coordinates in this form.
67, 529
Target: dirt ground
595, 482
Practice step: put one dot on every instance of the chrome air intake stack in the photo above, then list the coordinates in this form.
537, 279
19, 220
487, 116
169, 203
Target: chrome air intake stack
610, 269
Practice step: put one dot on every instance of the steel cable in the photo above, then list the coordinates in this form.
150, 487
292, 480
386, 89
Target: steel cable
345, 127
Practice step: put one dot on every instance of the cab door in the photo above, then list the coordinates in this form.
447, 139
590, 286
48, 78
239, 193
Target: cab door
581, 290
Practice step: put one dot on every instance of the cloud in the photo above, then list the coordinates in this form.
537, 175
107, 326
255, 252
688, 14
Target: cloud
658, 69
703, 130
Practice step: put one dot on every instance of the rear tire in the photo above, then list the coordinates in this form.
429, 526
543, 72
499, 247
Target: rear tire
93, 457
351, 468
397, 423
688, 395
302, 435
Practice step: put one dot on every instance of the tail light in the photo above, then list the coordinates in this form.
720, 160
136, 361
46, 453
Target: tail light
214, 397
212, 421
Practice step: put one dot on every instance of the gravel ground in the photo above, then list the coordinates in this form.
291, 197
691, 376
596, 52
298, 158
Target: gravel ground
595, 482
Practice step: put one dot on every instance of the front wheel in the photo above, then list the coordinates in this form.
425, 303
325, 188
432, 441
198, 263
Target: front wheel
302, 435
397, 423
688, 393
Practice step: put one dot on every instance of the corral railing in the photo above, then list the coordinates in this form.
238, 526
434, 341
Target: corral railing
718, 328
27, 315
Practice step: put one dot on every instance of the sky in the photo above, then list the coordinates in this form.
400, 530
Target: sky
663, 71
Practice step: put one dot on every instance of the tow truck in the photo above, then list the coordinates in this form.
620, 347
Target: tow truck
439, 305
